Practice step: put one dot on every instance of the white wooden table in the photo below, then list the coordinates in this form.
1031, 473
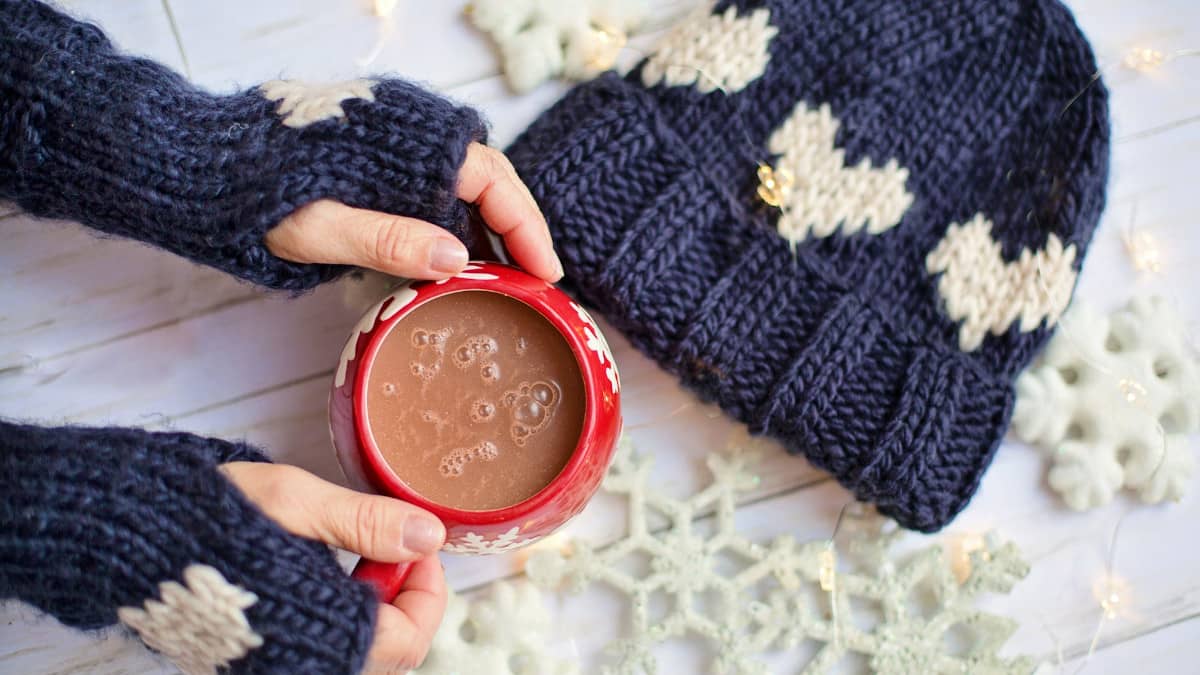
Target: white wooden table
107, 331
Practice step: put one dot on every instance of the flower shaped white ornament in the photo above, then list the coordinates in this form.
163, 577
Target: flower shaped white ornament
542, 39
302, 103
478, 544
599, 346
489, 634
1111, 401
200, 625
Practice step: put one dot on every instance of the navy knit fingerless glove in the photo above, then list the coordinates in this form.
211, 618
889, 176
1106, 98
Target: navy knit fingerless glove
108, 525
128, 147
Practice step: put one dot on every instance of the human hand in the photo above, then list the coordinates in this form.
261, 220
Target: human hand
380, 528
326, 231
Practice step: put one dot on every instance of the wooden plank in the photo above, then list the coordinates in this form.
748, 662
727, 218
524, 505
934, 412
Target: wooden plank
1158, 651
140, 27
63, 289
236, 44
1144, 101
36, 643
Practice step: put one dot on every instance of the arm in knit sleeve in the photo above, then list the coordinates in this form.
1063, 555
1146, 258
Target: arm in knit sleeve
128, 147
102, 526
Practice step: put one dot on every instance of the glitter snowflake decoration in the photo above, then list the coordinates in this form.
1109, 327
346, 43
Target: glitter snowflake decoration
1111, 401
501, 634
777, 595
478, 544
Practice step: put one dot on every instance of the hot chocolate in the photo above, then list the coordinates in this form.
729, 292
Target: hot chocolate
475, 400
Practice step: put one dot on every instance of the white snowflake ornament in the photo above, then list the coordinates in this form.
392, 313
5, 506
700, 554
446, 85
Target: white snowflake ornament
502, 634
200, 625
775, 596
1111, 401
542, 39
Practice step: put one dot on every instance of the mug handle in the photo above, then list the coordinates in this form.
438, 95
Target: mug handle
386, 578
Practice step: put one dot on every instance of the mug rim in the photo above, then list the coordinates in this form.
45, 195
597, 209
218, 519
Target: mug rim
383, 471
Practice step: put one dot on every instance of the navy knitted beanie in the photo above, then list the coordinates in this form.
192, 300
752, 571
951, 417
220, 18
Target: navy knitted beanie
938, 167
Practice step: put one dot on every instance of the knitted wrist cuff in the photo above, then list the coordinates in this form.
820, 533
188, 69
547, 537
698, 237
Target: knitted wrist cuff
130, 148
101, 519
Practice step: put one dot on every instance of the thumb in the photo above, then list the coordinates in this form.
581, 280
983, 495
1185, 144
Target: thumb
375, 527
329, 232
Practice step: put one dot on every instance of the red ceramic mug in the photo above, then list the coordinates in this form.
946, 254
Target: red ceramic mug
496, 530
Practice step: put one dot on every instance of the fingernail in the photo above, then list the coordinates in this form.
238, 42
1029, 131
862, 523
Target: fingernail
559, 267
448, 256
422, 535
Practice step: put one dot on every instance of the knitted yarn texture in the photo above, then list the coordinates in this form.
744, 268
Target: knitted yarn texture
939, 168
120, 525
126, 146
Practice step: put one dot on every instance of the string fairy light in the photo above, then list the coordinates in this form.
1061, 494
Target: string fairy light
612, 41
1141, 246
1149, 59
1111, 592
774, 184
1144, 251
383, 8
384, 11
964, 549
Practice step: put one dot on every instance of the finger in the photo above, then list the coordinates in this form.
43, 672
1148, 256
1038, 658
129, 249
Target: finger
380, 528
489, 180
330, 232
405, 628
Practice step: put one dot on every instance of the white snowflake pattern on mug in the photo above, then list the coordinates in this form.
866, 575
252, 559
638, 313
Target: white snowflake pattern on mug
471, 271
481, 545
597, 343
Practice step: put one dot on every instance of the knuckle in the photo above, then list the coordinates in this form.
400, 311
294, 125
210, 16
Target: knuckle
496, 163
278, 491
369, 530
393, 242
